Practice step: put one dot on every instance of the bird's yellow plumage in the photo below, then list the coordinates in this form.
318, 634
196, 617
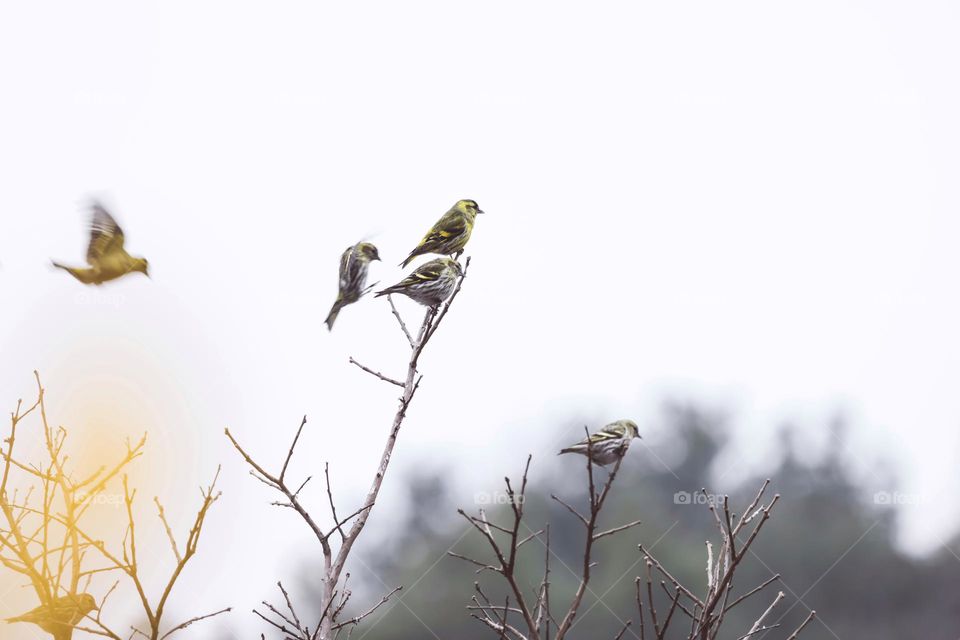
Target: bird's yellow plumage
451, 232
106, 256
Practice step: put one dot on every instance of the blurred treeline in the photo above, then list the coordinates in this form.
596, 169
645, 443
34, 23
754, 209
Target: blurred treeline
833, 547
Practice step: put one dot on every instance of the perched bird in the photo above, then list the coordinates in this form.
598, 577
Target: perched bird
607, 445
353, 277
63, 612
450, 234
106, 256
430, 284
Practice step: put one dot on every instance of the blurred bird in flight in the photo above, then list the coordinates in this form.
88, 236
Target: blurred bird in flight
106, 256
63, 613
607, 445
354, 264
451, 232
430, 284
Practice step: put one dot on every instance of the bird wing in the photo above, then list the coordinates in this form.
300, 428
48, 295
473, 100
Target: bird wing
608, 433
67, 610
603, 435
106, 235
346, 261
427, 272
452, 224
353, 271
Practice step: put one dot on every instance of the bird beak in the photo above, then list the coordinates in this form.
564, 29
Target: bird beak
479, 210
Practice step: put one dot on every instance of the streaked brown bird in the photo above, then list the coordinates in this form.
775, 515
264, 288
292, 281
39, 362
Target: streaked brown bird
607, 445
451, 232
354, 264
63, 613
430, 284
106, 256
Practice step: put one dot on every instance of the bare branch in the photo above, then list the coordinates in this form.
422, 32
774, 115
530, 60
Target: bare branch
334, 562
576, 513
793, 636
403, 326
756, 589
623, 630
166, 526
377, 374
184, 625
356, 619
616, 530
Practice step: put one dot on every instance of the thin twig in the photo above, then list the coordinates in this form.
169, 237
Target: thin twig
376, 374
403, 325
793, 636
166, 526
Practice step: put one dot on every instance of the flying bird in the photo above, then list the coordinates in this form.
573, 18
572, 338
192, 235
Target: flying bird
430, 284
106, 256
607, 445
451, 232
64, 612
354, 264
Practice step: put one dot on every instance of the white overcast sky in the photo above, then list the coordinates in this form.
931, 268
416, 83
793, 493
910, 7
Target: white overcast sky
751, 204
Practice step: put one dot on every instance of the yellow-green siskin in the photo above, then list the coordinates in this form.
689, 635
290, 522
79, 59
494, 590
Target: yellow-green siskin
106, 256
430, 284
64, 612
354, 264
450, 234
607, 445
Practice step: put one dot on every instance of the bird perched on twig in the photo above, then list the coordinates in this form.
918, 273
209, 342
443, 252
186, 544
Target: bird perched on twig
354, 264
106, 256
430, 284
607, 445
450, 234
64, 612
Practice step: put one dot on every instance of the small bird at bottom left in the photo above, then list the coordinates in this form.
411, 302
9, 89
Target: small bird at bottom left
62, 613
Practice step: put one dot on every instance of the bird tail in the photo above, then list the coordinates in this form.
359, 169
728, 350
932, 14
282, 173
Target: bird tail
385, 292
413, 254
83, 275
568, 450
334, 312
